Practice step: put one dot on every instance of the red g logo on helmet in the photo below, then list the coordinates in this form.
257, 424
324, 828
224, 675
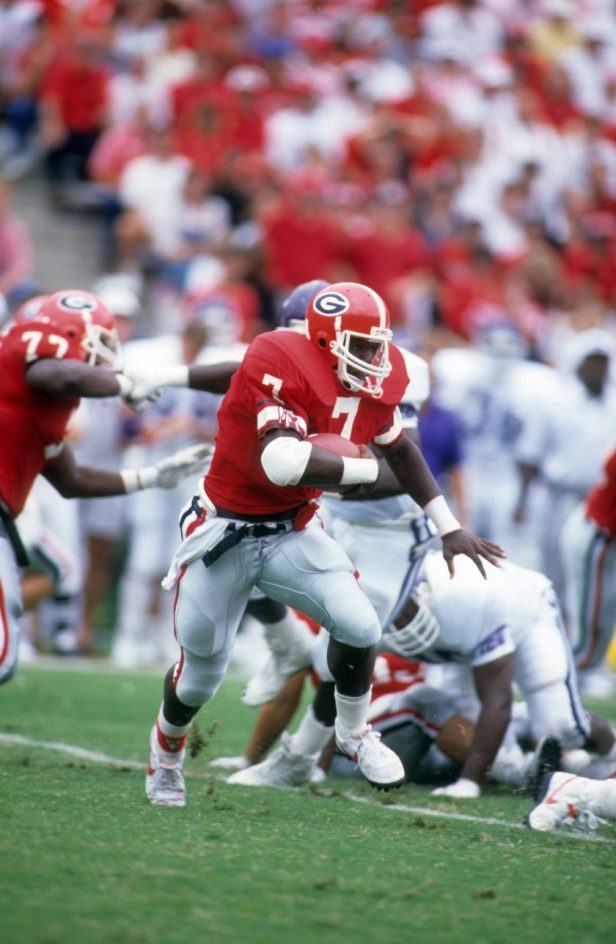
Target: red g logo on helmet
331, 303
349, 323
85, 322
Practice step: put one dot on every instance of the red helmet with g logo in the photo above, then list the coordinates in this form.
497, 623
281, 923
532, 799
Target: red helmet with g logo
349, 323
85, 322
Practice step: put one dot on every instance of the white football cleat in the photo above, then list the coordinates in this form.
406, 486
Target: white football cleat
565, 801
283, 768
380, 766
164, 782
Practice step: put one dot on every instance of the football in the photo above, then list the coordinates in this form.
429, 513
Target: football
337, 444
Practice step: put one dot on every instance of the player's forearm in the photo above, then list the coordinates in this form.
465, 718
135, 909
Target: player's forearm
86, 482
325, 469
489, 732
72, 379
458, 493
411, 470
385, 486
413, 474
289, 460
211, 378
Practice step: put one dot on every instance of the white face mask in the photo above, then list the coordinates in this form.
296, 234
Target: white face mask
102, 347
354, 372
415, 629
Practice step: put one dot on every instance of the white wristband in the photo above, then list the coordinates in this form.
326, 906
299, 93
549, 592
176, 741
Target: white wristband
126, 385
358, 471
177, 376
135, 480
439, 512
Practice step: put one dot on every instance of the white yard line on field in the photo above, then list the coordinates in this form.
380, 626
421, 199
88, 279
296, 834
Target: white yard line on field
467, 818
72, 750
97, 757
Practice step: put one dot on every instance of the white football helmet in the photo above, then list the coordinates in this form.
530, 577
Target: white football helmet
415, 629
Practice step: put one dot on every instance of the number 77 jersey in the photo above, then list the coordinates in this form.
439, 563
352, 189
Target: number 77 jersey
32, 425
285, 383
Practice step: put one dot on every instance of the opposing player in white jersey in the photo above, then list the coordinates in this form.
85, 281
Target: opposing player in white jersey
491, 388
507, 628
565, 440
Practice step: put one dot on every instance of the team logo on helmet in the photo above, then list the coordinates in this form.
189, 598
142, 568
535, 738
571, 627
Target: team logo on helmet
77, 303
331, 303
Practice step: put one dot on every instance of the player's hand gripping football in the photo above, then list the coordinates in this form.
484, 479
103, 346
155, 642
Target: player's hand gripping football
185, 462
463, 542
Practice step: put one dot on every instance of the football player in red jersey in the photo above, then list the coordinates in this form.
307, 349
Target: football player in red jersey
60, 348
588, 546
252, 522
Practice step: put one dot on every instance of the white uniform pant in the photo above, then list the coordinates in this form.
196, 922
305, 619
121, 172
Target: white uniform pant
558, 505
305, 569
589, 561
11, 609
382, 558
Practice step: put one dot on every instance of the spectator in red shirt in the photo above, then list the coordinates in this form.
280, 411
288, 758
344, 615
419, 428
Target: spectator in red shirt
300, 241
387, 249
73, 111
204, 85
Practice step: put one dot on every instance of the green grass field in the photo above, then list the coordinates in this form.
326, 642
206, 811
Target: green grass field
84, 858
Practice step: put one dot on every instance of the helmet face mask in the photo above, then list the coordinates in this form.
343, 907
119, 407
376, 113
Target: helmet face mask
102, 346
86, 323
349, 323
415, 629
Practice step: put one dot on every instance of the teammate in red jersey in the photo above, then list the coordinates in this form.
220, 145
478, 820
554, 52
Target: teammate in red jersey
589, 557
252, 522
60, 348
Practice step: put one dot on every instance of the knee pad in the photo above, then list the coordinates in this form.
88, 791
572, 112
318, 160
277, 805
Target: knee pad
351, 618
200, 678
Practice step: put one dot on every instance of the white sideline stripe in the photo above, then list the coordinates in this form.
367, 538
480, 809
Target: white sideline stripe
97, 757
466, 817
72, 750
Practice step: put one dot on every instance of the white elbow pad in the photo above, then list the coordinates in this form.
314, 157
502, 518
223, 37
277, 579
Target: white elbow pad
284, 459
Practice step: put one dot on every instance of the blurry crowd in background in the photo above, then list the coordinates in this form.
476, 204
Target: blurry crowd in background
458, 157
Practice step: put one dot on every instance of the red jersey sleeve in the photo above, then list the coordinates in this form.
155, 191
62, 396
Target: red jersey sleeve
278, 403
